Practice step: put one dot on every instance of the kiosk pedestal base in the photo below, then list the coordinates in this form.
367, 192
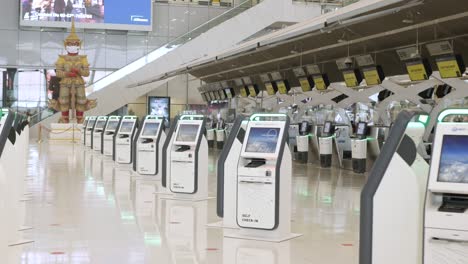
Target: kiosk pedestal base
210, 143
359, 165
302, 157
326, 161
261, 235
219, 144
187, 197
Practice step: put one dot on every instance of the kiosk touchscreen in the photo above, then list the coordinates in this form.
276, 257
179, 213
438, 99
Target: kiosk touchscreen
326, 144
302, 141
446, 210
96, 138
83, 129
89, 130
185, 156
359, 148
123, 152
263, 208
149, 146
109, 134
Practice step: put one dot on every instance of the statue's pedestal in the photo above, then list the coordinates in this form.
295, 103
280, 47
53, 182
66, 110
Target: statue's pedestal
64, 132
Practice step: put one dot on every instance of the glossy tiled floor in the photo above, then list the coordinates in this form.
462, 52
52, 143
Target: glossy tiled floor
87, 210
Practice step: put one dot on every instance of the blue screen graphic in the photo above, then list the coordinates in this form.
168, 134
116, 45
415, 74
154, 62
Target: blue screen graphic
262, 140
120, 12
453, 166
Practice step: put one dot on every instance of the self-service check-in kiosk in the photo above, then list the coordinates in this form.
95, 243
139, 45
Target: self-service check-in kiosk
148, 144
108, 136
359, 148
187, 157
89, 130
123, 150
220, 134
83, 130
263, 207
96, 134
446, 214
326, 144
392, 200
302, 141
211, 133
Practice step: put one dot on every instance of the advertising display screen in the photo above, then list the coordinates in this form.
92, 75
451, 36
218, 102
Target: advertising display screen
159, 106
126, 127
118, 15
100, 124
187, 133
112, 125
150, 129
262, 140
453, 166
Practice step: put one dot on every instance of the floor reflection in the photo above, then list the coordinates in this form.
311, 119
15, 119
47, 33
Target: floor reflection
87, 209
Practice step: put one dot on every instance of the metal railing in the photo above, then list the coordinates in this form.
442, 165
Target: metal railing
157, 53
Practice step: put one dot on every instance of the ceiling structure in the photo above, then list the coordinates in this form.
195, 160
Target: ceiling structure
323, 40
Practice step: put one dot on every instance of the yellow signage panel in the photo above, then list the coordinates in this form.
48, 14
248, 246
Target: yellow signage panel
270, 89
305, 85
282, 87
449, 68
350, 79
417, 71
243, 92
320, 83
252, 91
372, 77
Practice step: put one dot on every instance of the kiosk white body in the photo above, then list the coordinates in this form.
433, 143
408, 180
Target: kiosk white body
149, 146
326, 145
392, 201
89, 130
446, 214
97, 133
124, 140
359, 149
263, 199
108, 135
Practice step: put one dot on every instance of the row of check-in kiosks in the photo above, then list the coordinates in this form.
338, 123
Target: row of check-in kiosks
331, 144
14, 143
412, 210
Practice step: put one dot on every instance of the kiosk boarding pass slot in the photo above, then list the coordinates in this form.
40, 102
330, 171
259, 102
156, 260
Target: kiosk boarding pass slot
108, 135
124, 140
258, 175
148, 146
89, 130
184, 157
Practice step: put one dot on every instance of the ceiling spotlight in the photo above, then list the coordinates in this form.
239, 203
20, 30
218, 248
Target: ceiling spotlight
408, 21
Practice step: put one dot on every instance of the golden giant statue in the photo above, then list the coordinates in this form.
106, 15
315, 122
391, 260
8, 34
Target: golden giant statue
71, 68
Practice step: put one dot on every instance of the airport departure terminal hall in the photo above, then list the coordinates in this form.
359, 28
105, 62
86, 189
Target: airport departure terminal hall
234, 132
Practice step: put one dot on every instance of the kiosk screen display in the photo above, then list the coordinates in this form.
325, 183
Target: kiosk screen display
327, 128
126, 127
91, 123
187, 133
304, 127
150, 129
361, 129
262, 140
453, 166
112, 125
100, 124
